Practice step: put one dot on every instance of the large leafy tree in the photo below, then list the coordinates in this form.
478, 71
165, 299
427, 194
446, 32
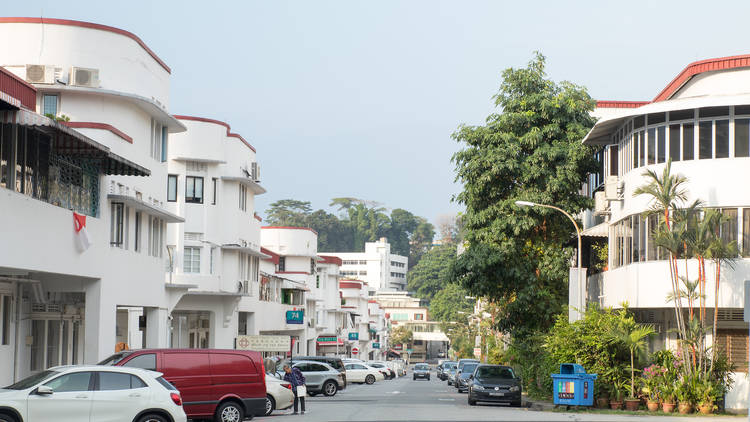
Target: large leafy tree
420, 241
529, 150
432, 273
288, 212
448, 302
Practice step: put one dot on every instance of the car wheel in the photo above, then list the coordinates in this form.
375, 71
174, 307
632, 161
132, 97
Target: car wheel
370, 379
229, 412
7, 418
428, 378
472, 402
144, 418
270, 405
330, 388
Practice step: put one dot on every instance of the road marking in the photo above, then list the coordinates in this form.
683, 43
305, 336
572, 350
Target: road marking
441, 391
395, 392
447, 399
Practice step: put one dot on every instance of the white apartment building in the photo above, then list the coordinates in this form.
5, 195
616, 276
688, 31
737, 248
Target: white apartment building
701, 120
362, 334
376, 266
106, 160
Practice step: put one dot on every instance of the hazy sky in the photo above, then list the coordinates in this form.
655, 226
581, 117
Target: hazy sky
356, 98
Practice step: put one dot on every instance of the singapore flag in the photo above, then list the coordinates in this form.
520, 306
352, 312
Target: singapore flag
83, 241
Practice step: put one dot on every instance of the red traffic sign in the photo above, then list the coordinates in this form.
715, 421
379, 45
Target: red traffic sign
355, 350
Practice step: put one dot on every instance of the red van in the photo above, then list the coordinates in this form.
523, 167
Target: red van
226, 385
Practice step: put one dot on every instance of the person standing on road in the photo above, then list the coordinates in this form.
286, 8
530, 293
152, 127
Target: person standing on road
294, 376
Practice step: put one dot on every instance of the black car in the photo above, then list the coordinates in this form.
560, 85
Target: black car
422, 370
494, 383
464, 377
443, 369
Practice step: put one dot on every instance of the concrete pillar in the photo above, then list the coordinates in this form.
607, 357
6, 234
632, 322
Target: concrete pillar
100, 325
157, 327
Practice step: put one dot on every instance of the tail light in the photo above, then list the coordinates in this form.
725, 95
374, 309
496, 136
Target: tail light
287, 385
176, 398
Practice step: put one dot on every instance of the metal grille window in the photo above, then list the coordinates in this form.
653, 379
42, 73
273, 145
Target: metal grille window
214, 182
49, 105
116, 236
734, 345
282, 263
191, 260
137, 246
194, 190
156, 140
172, 188
156, 231
5, 321
243, 197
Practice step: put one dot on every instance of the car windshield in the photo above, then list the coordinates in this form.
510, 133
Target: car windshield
422, 367
451, 366
32, 380
468, 368
114, 359
495, 372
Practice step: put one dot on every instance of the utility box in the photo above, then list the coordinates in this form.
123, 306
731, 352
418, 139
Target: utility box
573, 386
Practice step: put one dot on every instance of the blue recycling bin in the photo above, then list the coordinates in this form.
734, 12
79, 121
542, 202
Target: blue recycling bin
573, 386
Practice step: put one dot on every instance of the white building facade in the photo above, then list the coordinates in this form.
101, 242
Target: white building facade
701, 121
376, 266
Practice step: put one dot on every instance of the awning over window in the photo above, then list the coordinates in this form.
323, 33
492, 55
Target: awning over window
244, 249
142, 205
600, 230
67, 141
427, 336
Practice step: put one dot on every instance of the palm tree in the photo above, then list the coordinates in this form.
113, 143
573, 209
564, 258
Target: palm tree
634, 337
688, 291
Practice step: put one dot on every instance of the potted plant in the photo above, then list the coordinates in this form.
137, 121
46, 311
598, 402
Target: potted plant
634, 337
602, 398
706, 394
617, 391
667, 396
684, 396
651, 380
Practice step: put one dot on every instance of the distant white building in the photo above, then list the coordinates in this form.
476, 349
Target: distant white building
376, 266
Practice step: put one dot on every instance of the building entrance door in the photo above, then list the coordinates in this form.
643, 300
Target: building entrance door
55, 340
191, 330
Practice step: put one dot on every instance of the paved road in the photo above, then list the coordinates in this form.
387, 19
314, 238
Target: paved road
406, 400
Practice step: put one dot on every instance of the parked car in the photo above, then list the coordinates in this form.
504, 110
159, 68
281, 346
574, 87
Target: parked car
421, 370
451, 374
279, 395
460, 365
494, 383
444, 370
401, 366
333, 361
225, 385
463, 377
92, 393
383, 366
320, 377
359, 372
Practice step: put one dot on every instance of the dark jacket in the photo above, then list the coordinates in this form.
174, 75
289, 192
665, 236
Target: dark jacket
295, 378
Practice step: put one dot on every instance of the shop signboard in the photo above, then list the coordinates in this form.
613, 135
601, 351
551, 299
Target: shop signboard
263, 343
295, 317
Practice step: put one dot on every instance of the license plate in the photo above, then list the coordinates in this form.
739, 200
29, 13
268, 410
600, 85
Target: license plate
497, 394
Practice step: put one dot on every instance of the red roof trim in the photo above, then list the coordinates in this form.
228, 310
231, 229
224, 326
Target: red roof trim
372, 301
89, 25
274, 256
695, 68
216, 122
102, 126
17, 89
289, 228
621, 104
349, 285
327, 259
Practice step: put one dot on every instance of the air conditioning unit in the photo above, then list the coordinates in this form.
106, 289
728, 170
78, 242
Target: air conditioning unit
255, 172
601, 205
611, 189
41, 74
80, 76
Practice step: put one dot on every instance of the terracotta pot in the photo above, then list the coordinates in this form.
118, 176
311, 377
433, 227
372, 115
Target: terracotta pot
632, 405
615, 405
602, 402
685, 408
653, 406
667, 407
706, 409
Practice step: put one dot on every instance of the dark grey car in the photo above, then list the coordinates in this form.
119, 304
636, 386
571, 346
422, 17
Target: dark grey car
494, 383
421, 370
463, 377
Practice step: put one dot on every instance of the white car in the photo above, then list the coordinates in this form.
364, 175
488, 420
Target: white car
279, 395
359, 372
92, 393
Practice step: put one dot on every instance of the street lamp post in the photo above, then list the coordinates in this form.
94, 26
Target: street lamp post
581, 296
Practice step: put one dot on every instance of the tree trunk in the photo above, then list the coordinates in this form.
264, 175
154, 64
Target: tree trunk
632, 375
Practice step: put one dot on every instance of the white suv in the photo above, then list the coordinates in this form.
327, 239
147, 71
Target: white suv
92, 393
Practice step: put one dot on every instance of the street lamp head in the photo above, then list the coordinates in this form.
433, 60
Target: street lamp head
525, 204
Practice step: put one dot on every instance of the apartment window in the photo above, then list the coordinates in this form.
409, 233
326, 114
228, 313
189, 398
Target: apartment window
243, 197
158, 141
194, 190
137, 234
214, 182
49, 104
282, 263
191, 260
265, 289
116, 237
312, 266
172, 188
317, 281
361, 262
418, 317
733, 344
652, 146
728, 228
746, 232
705, 139
642, 148
211, 253
688, 141
164, 143
741, 138
242, 323
5, 304
613, 160
722, 139
661, 150
156, 232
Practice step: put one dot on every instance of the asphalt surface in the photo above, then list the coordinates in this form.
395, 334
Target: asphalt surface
406, 400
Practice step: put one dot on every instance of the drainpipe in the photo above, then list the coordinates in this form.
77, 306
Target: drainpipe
18, 326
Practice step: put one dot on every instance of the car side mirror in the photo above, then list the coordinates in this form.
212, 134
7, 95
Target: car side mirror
43, 390
471, 377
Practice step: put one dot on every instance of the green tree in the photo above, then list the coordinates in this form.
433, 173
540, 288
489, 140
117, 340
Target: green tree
448, 302
530, 150
634, 337
403, 224
401, 335
420, 241
432, 273
288, 212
